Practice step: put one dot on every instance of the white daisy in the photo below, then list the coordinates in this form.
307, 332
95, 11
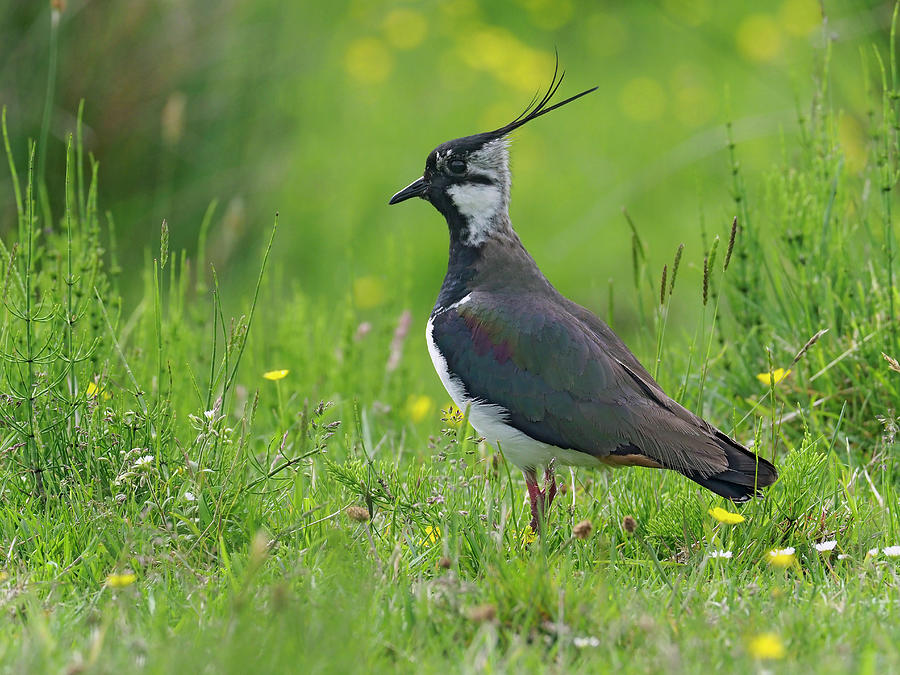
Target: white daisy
824, 546
892, 551
872, 551
143, 461
784, 551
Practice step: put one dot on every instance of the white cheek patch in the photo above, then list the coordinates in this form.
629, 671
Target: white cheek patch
478, 204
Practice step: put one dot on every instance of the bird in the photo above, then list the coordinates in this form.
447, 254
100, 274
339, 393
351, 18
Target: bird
542, 378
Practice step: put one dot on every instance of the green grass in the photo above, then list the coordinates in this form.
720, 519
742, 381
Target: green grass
142, 439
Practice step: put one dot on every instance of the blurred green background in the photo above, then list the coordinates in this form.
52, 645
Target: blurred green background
322, 110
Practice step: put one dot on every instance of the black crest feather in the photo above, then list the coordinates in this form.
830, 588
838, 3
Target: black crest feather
534, 110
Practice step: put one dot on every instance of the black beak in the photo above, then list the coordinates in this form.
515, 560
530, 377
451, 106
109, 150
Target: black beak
415, 189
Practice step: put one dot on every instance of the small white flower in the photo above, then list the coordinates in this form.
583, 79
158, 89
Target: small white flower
720, 554
872, 551
892, 551
143, 461
783, 551
209, 414
190, 497
582, 642
842, 556
824, 546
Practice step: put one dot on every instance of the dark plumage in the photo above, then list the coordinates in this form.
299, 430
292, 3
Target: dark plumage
545, 378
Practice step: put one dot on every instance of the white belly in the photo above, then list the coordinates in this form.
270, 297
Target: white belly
490, 421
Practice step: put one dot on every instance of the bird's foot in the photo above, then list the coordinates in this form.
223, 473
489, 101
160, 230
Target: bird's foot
541, 498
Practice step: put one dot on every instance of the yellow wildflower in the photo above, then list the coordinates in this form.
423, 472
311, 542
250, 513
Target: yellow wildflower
726, 517
93, 391
120, 580
527, 536
782, 558
774, 377
766, 646
419, 407
432, 535
276, 374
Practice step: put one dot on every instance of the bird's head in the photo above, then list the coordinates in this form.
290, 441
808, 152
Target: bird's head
467, 179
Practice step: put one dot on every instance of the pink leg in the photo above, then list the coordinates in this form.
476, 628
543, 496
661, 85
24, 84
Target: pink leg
536, 496
550, 483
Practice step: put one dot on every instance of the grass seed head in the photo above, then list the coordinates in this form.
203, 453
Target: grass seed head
357, 513
705, 280
675, 265
629, 524
892, 362
662, 286
482, 613
583, 529
731, 239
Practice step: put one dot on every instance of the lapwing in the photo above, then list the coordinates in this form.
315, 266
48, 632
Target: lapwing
543, 378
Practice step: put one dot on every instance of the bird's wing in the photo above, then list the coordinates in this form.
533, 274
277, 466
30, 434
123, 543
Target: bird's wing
565, 383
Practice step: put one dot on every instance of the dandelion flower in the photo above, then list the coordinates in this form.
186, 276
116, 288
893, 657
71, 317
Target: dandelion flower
92, 390
782, 557
419, 407
276, 374
120, 580
766, 646
720, 554
774, 377
726, 517
825, 546
892, 551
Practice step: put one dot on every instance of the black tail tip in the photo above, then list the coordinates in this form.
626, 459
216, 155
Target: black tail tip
740, 484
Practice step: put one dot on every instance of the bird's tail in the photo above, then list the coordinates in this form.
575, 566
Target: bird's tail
745, 475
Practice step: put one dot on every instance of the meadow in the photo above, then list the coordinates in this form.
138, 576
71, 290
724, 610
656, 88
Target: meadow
232, 455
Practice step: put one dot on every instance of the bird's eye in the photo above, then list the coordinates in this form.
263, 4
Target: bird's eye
456, 166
